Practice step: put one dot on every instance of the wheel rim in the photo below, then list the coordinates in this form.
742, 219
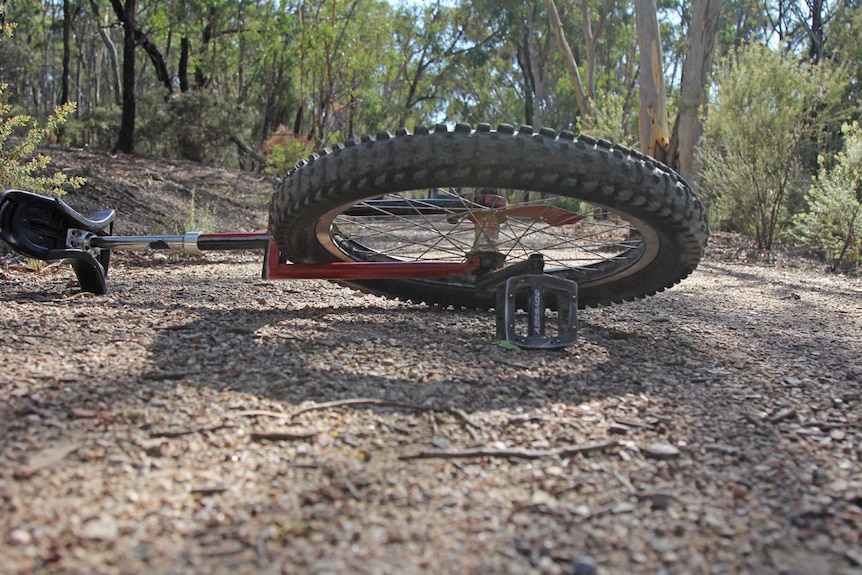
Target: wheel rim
596, 246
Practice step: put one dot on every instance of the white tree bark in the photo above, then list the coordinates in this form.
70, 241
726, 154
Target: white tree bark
695, 77
654, 131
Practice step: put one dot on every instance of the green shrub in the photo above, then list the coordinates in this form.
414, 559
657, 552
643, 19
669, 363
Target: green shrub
19, 160
768, 111
283, 150
96, 130
833, 221
195, 125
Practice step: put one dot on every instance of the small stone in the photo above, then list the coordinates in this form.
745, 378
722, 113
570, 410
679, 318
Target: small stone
662, 451
103, 528
20, 537
661, 501
739, 491
541, 497
554, 471
585, 566
441, 442
397, 534
618, 429
664, 545
623, 507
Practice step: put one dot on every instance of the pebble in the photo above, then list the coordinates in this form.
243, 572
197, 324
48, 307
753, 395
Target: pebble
103, 528
20, 537
585, 566
662, 451
661, 501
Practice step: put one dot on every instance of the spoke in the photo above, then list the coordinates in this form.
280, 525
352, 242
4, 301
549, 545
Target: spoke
550, 231
390, 235
411, 223
405, 242
451, 224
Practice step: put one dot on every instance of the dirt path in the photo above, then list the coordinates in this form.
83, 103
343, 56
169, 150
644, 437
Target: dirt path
199, 420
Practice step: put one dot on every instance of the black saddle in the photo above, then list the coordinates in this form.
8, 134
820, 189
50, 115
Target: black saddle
39, 226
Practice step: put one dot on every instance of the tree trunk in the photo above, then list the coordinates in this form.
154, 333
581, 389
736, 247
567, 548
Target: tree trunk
126, 14
183, 70
67, 51
653, 123
569, 58
695, 75
815, 50
112, 55
591, 36
155, 56
523, 57
537, 72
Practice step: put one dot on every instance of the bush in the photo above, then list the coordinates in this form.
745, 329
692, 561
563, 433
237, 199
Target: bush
195, 125
768, 110
833, 222
284, 149
19, 160
97, 130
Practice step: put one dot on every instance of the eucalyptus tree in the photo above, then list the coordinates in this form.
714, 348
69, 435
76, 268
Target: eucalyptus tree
432, 44
521, 31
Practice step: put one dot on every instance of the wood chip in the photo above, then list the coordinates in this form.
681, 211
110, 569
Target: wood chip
661, 451
46, 458
782, 415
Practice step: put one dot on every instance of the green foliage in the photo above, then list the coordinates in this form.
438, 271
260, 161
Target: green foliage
195, 125
833, 222
200, 219
768, 110
96, 130
282, 153
19, 161
613, 121
845, 44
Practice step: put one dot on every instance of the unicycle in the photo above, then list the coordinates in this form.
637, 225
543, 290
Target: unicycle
515, 220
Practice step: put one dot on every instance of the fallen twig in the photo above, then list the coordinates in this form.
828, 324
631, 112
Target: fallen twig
470, 425
584, 449
358, 401
282, 435
481, 452
259, 413
169, 433
782, 415
466, 418
567, 451
167, 375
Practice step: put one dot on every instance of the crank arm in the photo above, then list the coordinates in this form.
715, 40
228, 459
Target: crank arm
489, 281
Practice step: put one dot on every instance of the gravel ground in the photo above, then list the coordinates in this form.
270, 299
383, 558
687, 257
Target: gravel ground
199, 420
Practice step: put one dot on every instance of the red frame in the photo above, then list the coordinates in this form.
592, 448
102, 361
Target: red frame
275, 267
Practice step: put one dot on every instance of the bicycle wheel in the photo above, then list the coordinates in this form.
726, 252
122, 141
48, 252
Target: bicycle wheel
620, 224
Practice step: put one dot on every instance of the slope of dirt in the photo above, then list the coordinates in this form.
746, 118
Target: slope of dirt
154, 195
199, 420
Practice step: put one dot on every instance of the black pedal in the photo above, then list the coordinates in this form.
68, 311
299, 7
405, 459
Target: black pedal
47, 228
535, 294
